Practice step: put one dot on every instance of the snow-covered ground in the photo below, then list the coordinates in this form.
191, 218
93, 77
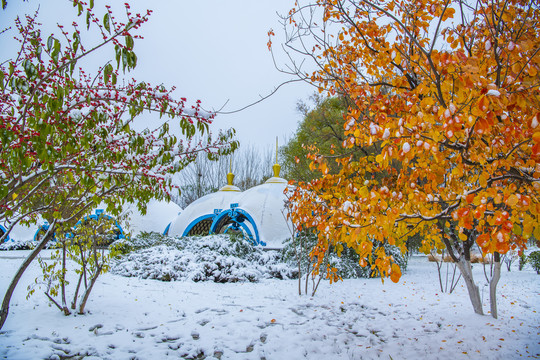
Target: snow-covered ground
131, 318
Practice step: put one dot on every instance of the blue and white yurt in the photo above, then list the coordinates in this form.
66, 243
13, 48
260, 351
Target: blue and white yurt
257, 213
18, 233
265, 204
197, 217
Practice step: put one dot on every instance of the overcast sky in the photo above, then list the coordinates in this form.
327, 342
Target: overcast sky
212, 50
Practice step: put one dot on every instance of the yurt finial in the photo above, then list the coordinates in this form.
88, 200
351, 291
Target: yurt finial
276, 166
230, 175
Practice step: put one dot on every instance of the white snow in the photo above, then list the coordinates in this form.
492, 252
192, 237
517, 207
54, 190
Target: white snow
534, 122
373, 128
493, 92
131, 318
406, 148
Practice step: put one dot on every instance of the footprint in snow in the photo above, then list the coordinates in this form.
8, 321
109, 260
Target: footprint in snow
203, 322
220, 311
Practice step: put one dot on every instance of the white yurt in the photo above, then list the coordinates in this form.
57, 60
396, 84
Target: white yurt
257, 213
18, 233
265, 204
197, 217
158, 217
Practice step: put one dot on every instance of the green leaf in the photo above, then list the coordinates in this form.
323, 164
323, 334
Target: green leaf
77, 41
56, 45
39, 50
129, 42
71, 67
107, 72
60, 94
29, 69
56, 51
118, 51
124, 59
517, 229
107, 22
91, 4
50, 41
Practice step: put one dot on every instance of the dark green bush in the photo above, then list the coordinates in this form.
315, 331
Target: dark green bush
534, 260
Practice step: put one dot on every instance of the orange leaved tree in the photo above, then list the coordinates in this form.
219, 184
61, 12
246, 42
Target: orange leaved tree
445, 94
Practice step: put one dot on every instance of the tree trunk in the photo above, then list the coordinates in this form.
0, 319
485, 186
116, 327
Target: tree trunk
9, 292
76, 295
63, 281
299, 279
87, 291
472, 288
493, 284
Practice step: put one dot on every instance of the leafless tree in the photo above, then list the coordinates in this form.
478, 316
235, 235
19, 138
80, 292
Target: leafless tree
250, 165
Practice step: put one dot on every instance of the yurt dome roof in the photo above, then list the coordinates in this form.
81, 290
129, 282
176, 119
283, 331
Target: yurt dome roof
266, 205
258, 213
198, 216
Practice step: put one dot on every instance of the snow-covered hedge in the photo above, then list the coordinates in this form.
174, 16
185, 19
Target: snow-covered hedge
24, 245
17, 245
220, 258
217, 258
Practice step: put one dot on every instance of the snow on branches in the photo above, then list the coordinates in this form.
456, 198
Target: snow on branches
67, 135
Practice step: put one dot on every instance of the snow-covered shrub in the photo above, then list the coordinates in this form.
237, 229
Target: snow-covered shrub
142, 241
347, 264
17, 245
217, 258
24, 245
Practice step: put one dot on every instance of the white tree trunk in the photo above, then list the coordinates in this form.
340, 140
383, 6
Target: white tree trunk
472, 288
493, 288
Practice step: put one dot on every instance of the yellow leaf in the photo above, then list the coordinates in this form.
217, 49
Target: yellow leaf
512, 200
536, 232
482, 180
14, 196
397, 59
396, 273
